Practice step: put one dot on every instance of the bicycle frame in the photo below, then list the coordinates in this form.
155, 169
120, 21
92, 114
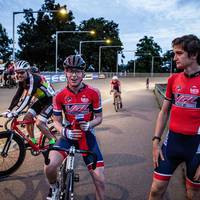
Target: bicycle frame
14, 137
14, 127
116, 100
67, 169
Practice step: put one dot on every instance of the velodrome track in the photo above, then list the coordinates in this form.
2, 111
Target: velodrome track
125, 140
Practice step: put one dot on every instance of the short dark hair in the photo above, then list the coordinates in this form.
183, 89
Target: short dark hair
190, 44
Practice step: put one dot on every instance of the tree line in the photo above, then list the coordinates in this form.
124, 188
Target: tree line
37, 39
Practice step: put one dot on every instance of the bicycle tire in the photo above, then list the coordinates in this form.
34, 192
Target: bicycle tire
69, 182
116, 104
14, 161
65, 180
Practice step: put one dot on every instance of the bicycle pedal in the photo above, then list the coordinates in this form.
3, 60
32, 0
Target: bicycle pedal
27, 145
76, 178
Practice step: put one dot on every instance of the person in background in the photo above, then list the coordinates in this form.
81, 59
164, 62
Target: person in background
2, 68
147, 83
115, 85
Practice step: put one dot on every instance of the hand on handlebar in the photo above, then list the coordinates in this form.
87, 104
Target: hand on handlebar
9, 114
75, 134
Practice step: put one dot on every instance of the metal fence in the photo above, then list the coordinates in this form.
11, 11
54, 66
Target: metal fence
160, 93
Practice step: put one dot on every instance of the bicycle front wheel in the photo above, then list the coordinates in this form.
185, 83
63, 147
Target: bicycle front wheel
12, 153
69, 185
116, 104
66, 185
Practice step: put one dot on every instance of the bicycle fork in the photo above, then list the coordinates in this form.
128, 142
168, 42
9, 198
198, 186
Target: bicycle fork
6, 147
70, 167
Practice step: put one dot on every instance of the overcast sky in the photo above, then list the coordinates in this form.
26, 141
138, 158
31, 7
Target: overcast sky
162, 19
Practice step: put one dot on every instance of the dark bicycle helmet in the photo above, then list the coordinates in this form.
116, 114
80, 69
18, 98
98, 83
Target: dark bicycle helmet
22, 65
34, 69
74, 61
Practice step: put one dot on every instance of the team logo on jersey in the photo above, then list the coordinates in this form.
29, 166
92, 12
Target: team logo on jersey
77, 108
68, 99
84, 99
194, 90
178, 88
187, 101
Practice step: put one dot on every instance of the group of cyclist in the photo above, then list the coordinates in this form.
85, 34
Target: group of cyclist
181, 104
7, 75
75, 99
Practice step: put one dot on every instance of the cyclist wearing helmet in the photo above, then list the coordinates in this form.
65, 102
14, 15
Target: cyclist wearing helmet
116, 88
31, 85
77, 98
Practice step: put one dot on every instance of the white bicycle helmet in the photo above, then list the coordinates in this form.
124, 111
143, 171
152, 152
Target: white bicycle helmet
74, 61
114, 78
22, 65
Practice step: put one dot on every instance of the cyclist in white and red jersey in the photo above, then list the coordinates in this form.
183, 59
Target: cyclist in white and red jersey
182, 105
74, 100
115, 85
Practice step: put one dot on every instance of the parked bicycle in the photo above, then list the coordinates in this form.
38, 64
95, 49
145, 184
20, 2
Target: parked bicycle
67, 175
14, 143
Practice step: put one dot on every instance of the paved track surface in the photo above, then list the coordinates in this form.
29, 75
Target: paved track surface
125, 141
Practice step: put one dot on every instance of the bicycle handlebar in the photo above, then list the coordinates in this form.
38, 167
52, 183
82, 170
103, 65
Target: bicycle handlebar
10, 119
21, 113
57, 148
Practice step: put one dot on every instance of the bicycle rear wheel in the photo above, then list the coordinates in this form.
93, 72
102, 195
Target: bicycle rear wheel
116, 103
12, 153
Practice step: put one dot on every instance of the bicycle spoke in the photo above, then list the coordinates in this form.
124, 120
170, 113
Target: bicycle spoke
13, 155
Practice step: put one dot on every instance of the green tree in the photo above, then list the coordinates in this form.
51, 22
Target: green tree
168, 61
5, 50
37, 35
147, 50
104, 30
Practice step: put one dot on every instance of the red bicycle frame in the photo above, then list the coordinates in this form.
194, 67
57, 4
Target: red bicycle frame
14, 127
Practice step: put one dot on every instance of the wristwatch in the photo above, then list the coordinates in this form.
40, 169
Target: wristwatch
156, 138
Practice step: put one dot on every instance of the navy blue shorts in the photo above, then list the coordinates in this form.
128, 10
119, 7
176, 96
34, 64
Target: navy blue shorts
176, 149
92, 145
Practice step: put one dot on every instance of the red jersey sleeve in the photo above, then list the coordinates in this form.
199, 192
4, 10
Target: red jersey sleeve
57, 105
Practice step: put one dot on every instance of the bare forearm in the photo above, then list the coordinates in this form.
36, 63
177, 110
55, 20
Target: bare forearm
95, 122
57, 121
161, 123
